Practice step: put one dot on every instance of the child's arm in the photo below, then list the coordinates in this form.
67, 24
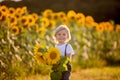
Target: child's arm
68, 55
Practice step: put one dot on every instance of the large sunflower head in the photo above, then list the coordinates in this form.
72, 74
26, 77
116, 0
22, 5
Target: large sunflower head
53, 55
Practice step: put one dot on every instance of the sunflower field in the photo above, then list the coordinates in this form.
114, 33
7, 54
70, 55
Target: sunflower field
95, 44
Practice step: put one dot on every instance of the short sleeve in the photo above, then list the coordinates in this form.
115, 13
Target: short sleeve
69, 49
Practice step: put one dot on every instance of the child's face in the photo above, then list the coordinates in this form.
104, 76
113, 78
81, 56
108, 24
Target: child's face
61, 36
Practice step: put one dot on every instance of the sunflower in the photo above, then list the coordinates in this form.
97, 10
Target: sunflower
53, 55
80, 18
11, 11
100, 27
3, 17
24, 21
35, 16
15, 30
61, 15
89, 21
71, 15
4, 9
18, 11
95, 25
108, 26
23, 10
65, 21
48, 13
51, 24
117, 27
31, 20
55, 16
39, 49
81, 23
18, 16
44, 21
89, 18
13, 20
40, 58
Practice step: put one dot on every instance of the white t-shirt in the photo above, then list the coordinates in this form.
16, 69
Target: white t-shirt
69, 49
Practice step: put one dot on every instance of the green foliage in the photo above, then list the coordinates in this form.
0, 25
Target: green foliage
55, 75
57, 69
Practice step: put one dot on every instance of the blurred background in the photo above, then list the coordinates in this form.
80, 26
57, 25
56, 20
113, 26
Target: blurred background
101, 10
95, 31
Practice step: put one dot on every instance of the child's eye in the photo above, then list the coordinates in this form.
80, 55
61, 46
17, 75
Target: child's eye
59, 34
64, 34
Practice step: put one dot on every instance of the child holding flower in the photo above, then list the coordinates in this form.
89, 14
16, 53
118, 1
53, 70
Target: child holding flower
62, 36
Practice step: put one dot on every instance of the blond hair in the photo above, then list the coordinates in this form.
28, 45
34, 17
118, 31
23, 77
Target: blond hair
62, 27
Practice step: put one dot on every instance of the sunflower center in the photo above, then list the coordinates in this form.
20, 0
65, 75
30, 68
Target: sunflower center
30, 20
3, 10
14, 30
55, 17
49, 16
12, 20
42, 50
23, 20
3, 18
53, 55
73, 18
11, 11
61, 16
